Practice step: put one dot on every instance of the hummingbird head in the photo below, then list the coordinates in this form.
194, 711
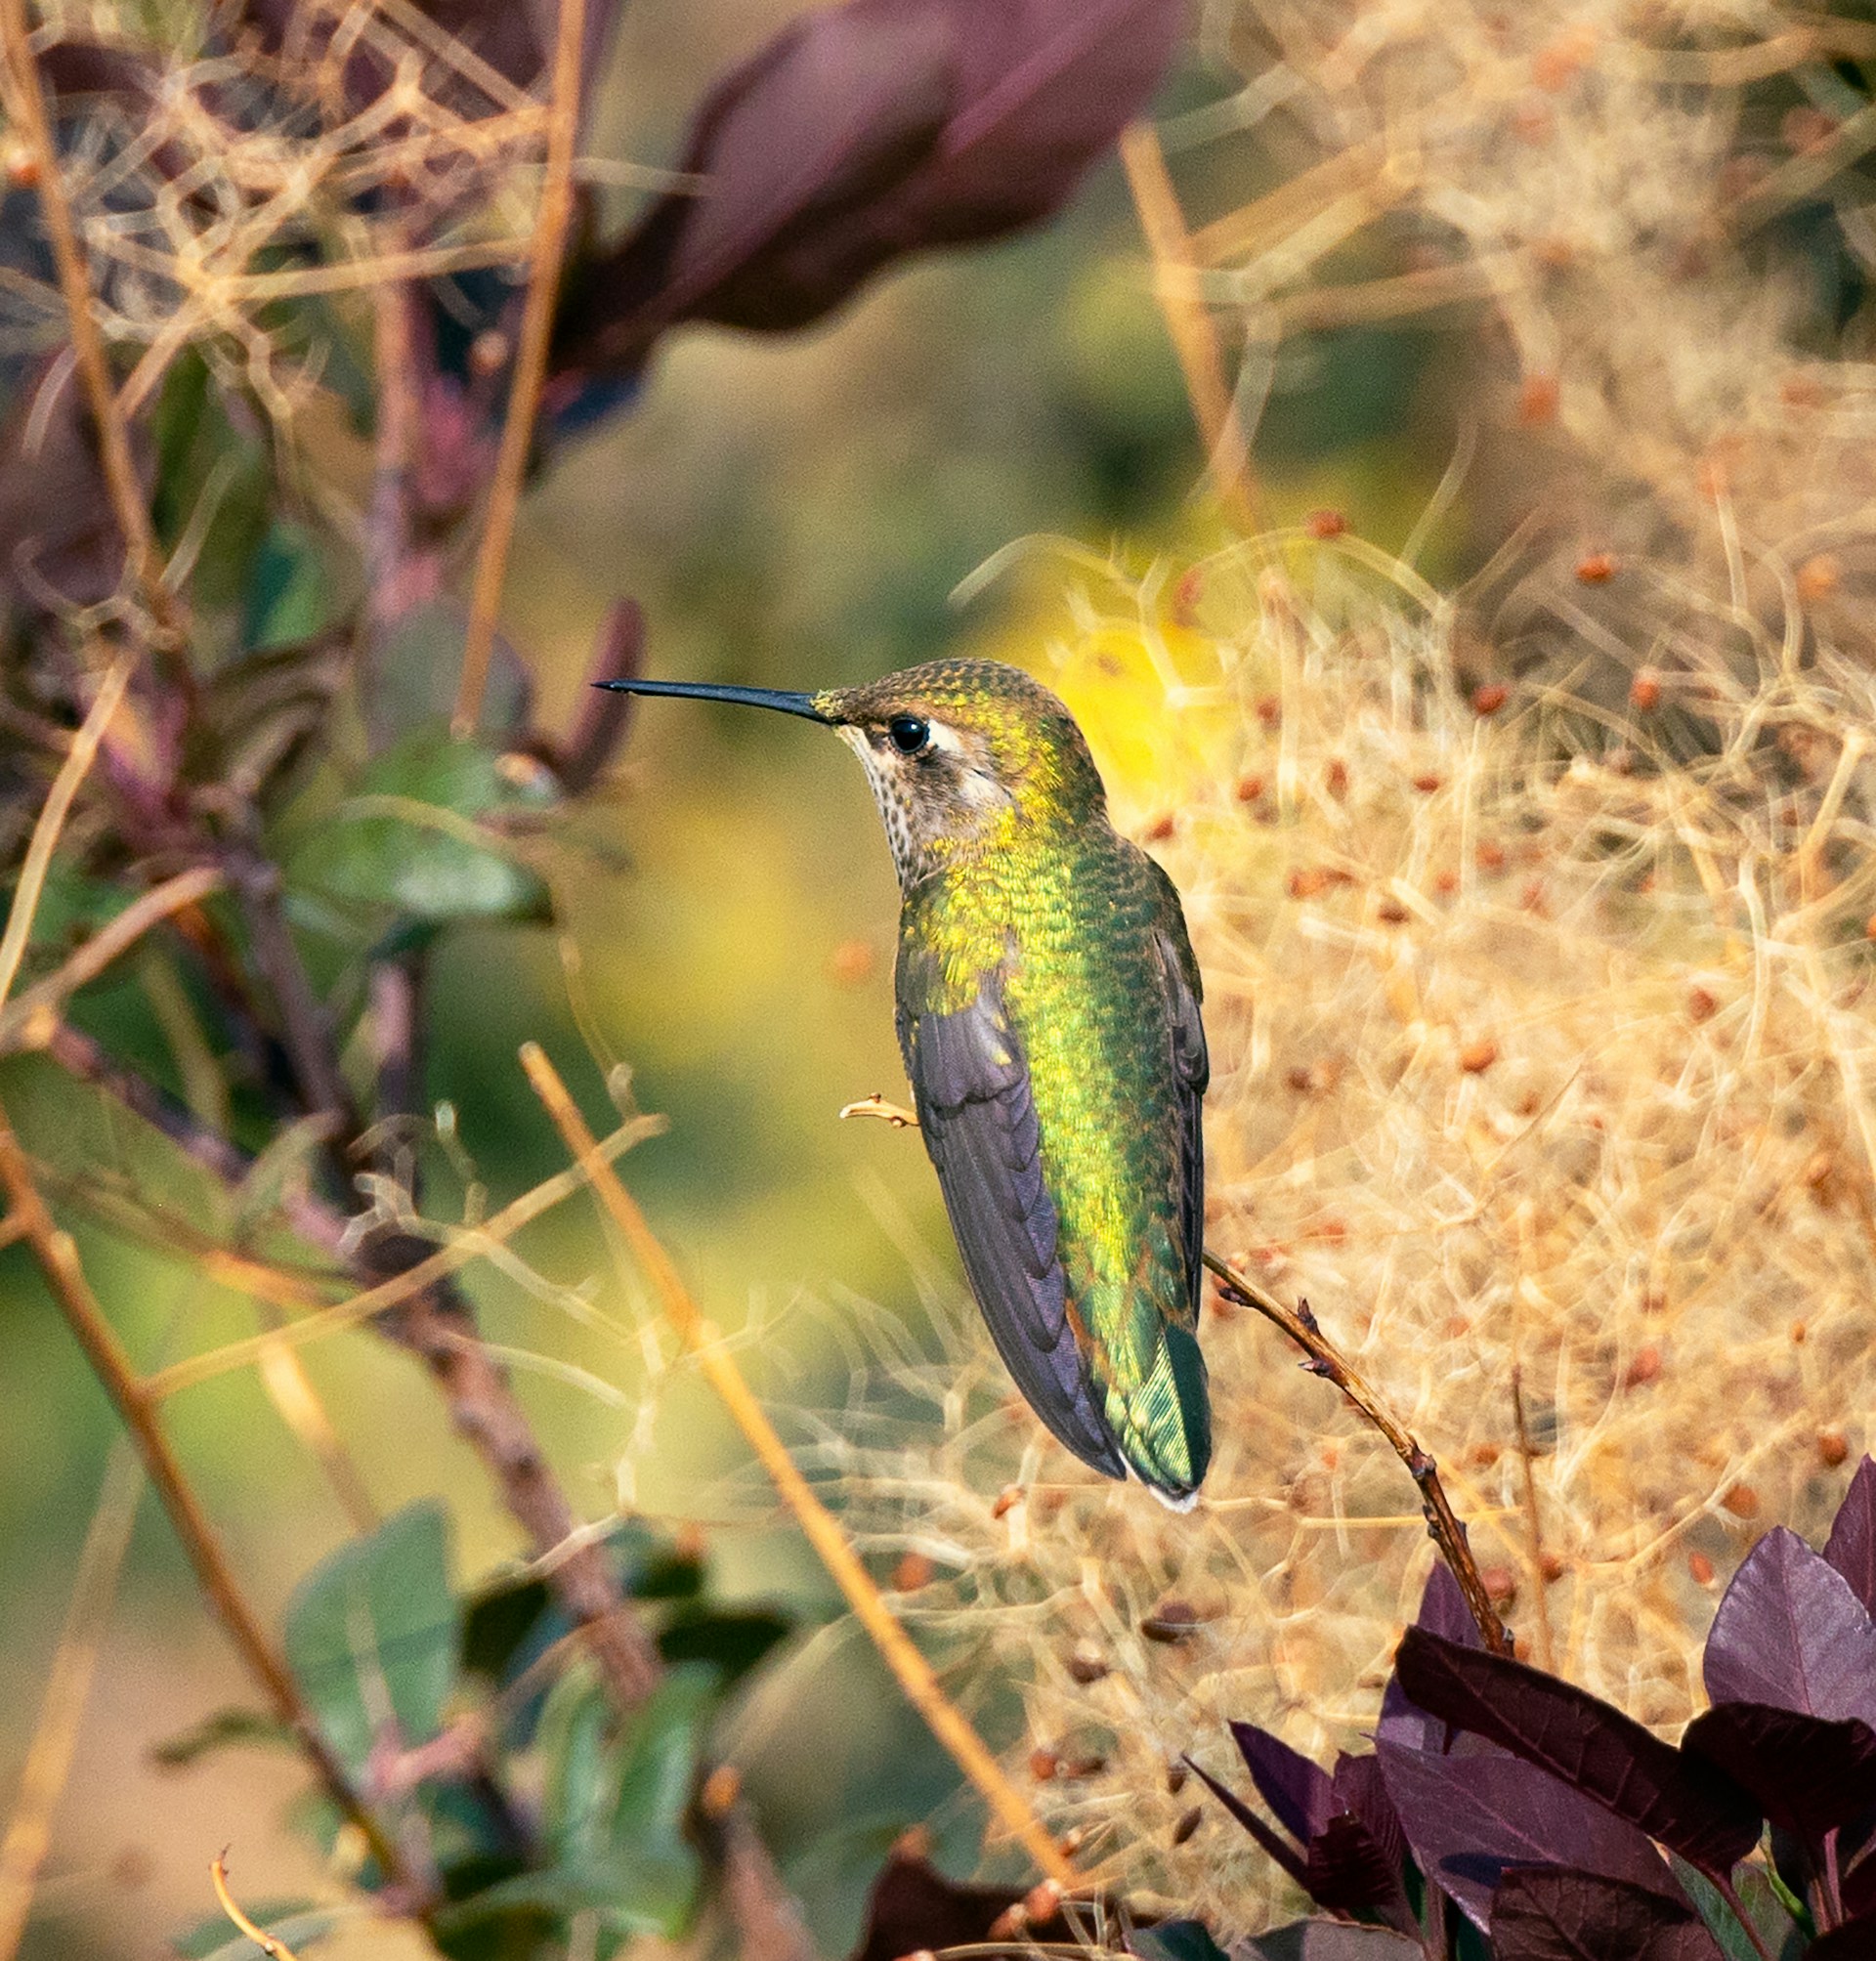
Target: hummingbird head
962, 755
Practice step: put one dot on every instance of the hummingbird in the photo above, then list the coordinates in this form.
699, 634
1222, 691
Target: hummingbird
1048, 1010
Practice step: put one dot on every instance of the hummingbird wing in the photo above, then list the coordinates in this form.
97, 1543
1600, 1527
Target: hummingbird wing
971, 1089
1191, 1072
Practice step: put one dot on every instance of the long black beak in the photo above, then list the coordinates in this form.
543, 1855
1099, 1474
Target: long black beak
715, 690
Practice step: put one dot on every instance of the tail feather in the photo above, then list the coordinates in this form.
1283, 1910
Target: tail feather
1164, 1428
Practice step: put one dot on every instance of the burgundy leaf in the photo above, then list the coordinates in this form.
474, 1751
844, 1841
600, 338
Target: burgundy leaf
1359, 1789
1442, 1611
1469, 1820
858, 134
1852, 1546
1280, 1849
1683, 1802
1581, 1916
1859, 1886
913, 1905
1296, 1789
1330, 1941
1348, 1871
1854, 1940
1790, 1632
1804, 1773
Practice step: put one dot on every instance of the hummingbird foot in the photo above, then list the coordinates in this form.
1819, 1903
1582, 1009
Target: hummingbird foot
877, 1105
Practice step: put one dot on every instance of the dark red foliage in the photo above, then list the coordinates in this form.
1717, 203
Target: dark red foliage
1791, 1632
1577, 1916
1851, 1544
1809, 1775
859, 134
1685, 1802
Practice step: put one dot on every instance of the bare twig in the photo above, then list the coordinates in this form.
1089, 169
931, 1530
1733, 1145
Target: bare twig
551, 223
28, 106
48, 1764
275, 1950
58, 1260
1194, 338
1328, 1361
819, 1526
51, 821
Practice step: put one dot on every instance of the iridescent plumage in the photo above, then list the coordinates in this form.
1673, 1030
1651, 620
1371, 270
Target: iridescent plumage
1048, 1016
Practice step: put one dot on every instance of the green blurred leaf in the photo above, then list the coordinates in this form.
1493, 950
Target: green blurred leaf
1757, 1895
289, 595
409, 837
219, 1731
214, 488
372, 1632
296, 1922
733, 1641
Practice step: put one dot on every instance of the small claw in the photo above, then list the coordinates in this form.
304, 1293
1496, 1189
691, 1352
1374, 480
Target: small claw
877, 1105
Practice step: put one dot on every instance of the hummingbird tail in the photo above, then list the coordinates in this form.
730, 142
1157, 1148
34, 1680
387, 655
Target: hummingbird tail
1165, 1428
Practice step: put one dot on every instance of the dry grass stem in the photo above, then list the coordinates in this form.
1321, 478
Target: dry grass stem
1189, 323
62, 1708
551, 223
58, 1260
910, 1668
275, 1950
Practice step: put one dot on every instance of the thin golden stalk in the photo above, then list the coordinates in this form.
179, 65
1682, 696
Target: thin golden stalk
42, 1781
51, 821
914, 1673
551, 223
58, 1260
28, 106
1189, 322
277, 1950
1328, 1361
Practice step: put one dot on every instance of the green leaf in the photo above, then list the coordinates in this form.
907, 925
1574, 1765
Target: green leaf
1759, 1895
296, 1922
1174, 1940
736, 1640
409, 837
372, 1632
217, 1731
289, 595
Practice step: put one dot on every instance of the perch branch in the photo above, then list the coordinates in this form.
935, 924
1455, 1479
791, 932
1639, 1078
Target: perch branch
1189, 323
1328, 1361
912, 1671
58, 1260
551, 223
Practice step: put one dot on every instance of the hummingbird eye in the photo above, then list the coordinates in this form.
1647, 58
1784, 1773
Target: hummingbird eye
908, 734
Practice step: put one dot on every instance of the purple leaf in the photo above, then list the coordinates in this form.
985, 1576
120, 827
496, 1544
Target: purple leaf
1580, 1916
1278, 1847
1859, 1886
59, 544
1297, 1790
1469, 1820
1360, 1790
1348, 1871
913, 1905
1854, 1940
1852, 1546
1330, 1941
1442, 1611
1791, 1632
1808, 1775
861, 132
1683, 1802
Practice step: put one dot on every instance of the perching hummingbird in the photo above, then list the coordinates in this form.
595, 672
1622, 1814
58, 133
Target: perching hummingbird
1049, 1014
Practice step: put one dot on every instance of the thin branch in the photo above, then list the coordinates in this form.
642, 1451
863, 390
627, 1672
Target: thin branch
1328, 1361
42, 1780
819, 1526
51, 821
1534, 1523
551, 225
94, 369
58, 1260
1189, 323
